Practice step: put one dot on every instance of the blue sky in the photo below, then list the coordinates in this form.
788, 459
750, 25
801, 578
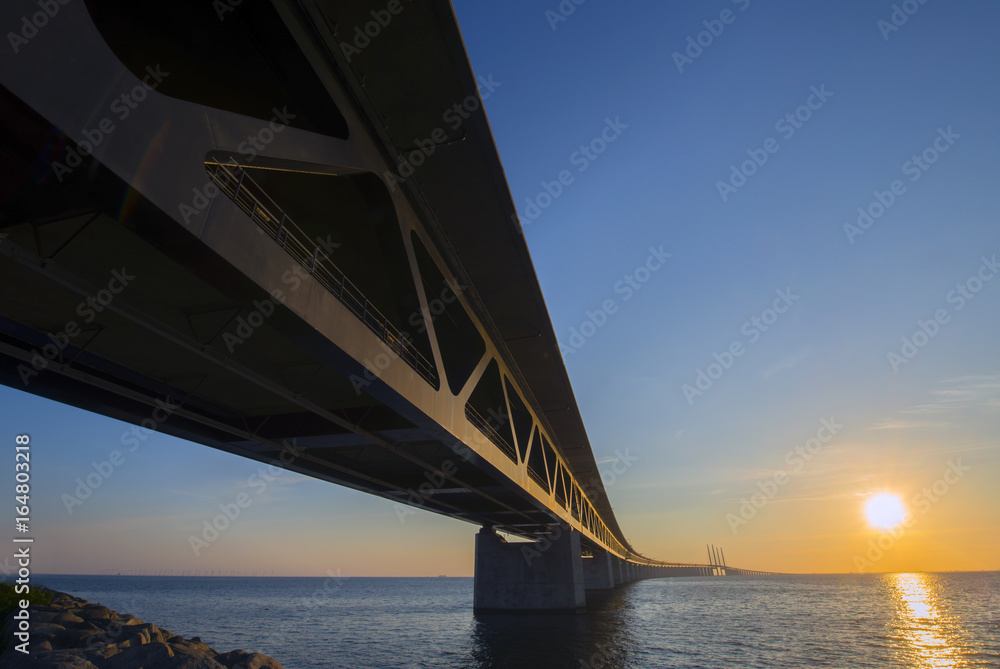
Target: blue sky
677, 132
859, 294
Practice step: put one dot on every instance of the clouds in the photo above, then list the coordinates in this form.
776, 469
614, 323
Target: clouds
948, 406
964, 394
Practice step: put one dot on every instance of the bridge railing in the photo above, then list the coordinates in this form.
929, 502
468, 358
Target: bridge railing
490, 432
240, 187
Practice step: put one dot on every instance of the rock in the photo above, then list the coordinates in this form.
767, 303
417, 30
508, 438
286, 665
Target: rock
148, 656
46, 629
154, 632
87, 627
195, 662
135, 636
52, 659
72, 633
95, 612
78, 638
45, 616
192, 647
66, 618
157, 656
239, 659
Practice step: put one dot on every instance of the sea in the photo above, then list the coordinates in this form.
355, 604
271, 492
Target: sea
849, 621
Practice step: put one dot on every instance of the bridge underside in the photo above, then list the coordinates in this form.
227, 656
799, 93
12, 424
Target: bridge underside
284, 299
111, 306
228, 259
134, 319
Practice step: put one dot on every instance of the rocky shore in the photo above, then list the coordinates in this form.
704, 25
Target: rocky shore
71, 633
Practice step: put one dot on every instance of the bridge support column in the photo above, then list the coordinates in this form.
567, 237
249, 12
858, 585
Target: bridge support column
529, 576
597, 572
616, 570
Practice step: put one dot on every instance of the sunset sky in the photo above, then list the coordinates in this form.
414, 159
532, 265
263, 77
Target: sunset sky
778, 318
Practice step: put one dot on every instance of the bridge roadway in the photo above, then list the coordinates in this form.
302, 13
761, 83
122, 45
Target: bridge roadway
283, 230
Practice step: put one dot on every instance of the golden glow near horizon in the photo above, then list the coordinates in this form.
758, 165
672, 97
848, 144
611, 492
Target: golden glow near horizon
885, 511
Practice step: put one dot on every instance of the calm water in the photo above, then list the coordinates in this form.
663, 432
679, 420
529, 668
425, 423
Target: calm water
893, 620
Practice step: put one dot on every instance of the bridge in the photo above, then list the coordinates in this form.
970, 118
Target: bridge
281, 229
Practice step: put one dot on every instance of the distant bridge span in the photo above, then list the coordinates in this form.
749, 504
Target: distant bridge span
281, 229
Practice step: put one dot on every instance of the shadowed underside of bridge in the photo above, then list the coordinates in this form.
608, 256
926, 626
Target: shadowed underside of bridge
282, 230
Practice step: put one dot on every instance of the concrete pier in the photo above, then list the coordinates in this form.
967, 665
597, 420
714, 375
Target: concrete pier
553, 575
538, 576
598, 573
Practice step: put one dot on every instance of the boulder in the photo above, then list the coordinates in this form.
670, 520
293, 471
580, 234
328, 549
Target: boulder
148, 656
149, 630
195, 662
78, 638
45, 616
66, 618
46, 629
191, 647
52, 659
72, 633
95, 612
239, 659
157, 656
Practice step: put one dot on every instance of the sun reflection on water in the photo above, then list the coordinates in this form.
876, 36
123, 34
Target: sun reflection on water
931, 636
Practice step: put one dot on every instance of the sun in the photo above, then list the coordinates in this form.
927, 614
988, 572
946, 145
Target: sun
885, 511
